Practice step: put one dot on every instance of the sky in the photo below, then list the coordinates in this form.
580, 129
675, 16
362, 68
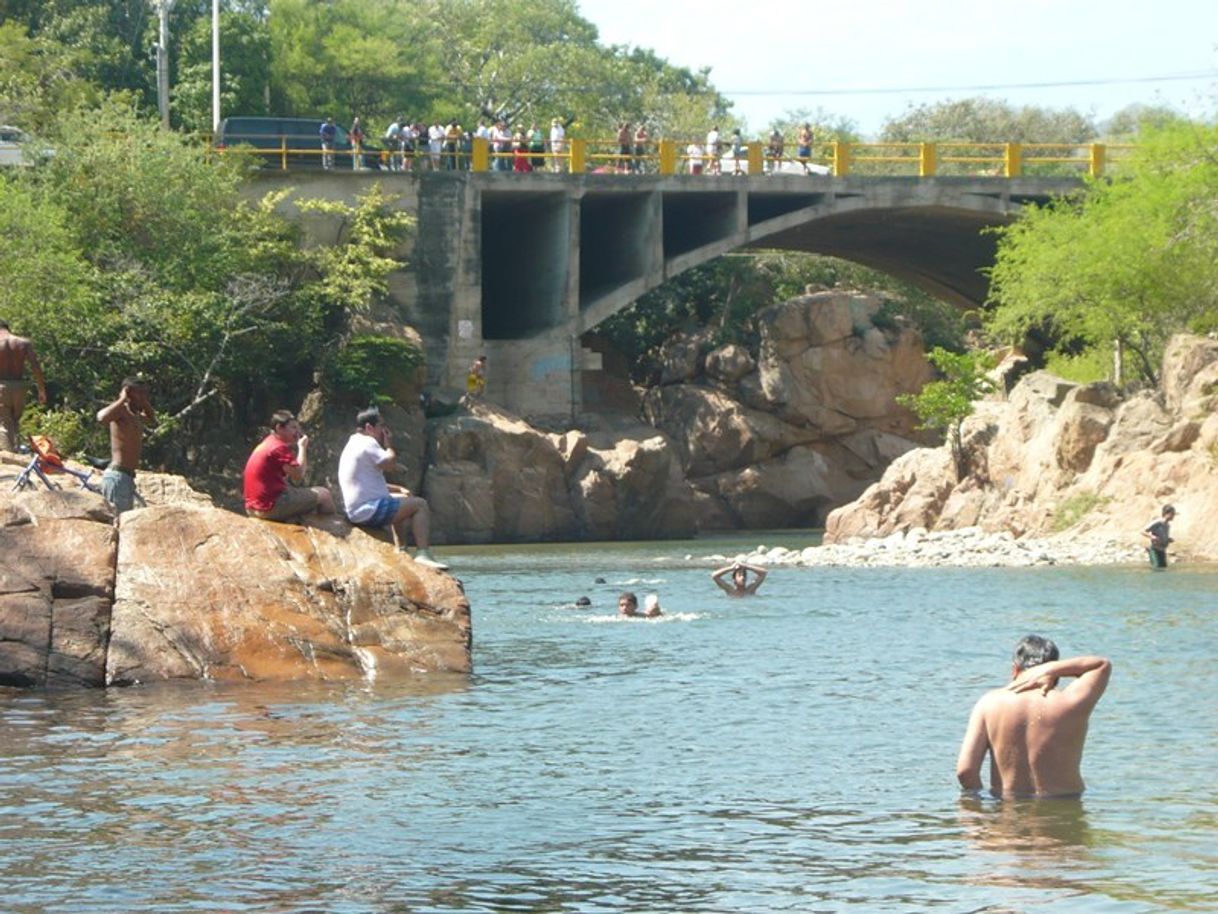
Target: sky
771, 57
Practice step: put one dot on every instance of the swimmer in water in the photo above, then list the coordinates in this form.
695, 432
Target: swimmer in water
740, 585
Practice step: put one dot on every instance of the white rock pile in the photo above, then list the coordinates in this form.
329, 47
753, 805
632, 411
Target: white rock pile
966, 547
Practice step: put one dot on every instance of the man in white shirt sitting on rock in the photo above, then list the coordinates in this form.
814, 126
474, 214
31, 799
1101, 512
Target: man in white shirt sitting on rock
371, 501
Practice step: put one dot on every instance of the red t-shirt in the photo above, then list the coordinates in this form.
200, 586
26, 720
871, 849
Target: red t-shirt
265, 473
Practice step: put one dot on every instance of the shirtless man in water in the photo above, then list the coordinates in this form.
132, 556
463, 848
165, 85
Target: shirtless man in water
15, 351
740, 585
1033, 733
127, 417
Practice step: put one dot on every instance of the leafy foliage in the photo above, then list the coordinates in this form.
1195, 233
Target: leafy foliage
943, 404
1129, 262
373, 369
985, 120
354, 269
135, 253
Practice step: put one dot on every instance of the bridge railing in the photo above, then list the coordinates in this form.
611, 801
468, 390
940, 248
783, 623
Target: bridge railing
671, 157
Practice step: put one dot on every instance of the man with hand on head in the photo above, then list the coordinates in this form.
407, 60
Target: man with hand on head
127, 417
370, 500
279, 459
740, 585
1032, 732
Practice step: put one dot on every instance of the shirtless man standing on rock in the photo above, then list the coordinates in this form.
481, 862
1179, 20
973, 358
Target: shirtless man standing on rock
15, 351
127, 417
1033, 733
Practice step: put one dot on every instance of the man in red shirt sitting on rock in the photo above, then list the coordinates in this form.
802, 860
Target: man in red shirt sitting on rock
282, 457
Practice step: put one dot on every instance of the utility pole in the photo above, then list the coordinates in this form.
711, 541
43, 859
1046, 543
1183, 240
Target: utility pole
215, 68
162, 61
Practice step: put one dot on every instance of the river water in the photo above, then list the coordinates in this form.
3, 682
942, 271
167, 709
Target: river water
790, 752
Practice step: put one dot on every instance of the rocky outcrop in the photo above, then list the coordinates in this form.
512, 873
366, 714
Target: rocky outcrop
1074, 460
186, 590
491, 477
781, 439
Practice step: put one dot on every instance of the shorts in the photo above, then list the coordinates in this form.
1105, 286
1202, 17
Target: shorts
118, 489
384, 510
292, 502
805, 152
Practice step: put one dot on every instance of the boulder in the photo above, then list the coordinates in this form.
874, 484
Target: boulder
491, 476
1081, 426
794, 490
1190, 375
56, 586
714, 433
681, 357
824, 363
729, 363
191, 591
911, 494
633, 490
202, 593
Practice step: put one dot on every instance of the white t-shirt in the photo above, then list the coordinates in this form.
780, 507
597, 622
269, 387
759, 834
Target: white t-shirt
362, 482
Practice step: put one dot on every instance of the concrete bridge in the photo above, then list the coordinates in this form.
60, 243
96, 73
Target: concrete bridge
520, 266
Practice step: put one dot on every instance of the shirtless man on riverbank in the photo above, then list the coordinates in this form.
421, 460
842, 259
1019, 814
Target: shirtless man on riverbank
15, 352
1034, 733
127, 417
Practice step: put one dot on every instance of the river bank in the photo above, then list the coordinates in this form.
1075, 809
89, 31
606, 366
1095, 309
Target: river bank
969, 547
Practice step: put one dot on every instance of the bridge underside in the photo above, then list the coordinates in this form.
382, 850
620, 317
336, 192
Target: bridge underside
942, 251
526, 265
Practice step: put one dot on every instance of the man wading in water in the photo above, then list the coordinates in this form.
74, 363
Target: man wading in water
1033, 733
740, 586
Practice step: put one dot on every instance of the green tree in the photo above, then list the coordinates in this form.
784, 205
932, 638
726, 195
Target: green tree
245, 42
1127, 263
986, 120
943, 404
981, 124
38, 79
371, 58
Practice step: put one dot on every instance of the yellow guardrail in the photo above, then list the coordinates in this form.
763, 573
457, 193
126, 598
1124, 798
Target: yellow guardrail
670, 157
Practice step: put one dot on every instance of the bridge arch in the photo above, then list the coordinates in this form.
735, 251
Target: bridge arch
538, 260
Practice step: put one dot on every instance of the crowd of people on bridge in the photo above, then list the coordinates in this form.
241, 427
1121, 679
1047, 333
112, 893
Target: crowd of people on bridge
415, 145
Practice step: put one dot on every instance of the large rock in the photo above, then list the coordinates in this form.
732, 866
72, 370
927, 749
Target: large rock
56, 586
823, 362
187, 590
794, 490
714, 433
493, 477
632, 490
205, 594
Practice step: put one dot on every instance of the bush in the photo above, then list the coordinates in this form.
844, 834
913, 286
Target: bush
74, 434
375, 370
1074, 509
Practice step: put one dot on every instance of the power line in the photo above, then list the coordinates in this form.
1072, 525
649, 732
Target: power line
1116, 80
